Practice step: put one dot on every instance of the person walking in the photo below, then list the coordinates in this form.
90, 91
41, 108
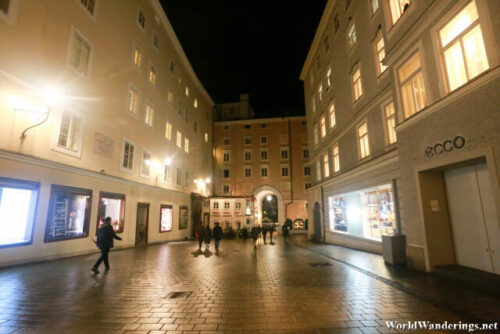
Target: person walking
105, 236
265, 229
199, 232
259, 242
271, 231
217, 236
207, 235
255, 235
286, 232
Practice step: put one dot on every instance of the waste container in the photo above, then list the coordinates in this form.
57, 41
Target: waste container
394, 249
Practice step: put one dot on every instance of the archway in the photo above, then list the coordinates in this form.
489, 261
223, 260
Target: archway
269, 205
269, 199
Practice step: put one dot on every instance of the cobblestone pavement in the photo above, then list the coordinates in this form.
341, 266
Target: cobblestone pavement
274, 289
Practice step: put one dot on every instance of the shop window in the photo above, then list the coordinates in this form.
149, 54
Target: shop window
462, 47
390, 123
398, 7
79, 55
380, 53
166, 218
113, 206
368, 213
18, 200
336, 158
363, 142
69, 213
357, 86
411, 81
326, 166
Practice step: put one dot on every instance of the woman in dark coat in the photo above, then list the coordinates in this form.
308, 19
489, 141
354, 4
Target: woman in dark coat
105, 236
286, 232
217, 236
207, 235
255, 235
200, 231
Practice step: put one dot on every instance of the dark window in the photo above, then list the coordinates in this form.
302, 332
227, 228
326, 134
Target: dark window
226, 173
263, 125
141, 19
247, 126
89, 4
4, 6
336, 23
172, 66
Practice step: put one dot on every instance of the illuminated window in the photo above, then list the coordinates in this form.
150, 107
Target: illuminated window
168, 130
195, 103
187, 91
390, 122
133, 100
167, 174
128, 154
18, 201
331, 114
113, 206
166, 218
318, 170
145, 163
79, 56
380, 53
170, 96
357, 86
329, 78
320, 92
141, 19
186, 145
206, 137
352, 39
152, 75
313, 104
363, 143
70, 133
323, 126
137, 57
178, 139
398, 7
149, 114
89, 5
326, 166
315, 134
336, 158
374, 6
463, 47
412, 86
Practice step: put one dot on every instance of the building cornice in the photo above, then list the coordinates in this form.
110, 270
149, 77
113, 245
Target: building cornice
262, 120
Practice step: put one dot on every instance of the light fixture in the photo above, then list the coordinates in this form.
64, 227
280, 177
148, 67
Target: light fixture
51, 96
147, 162
269, 198
208, 180
167, 161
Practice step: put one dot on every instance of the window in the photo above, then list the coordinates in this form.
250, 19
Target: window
398, 7
141, 20
226, 141
356, 84
133, 100
172, 66
390, 122
168, 130
187, 91
322, 123
307, 185
237, 205
186, 179
263, 171
145, 163
170, 97
79, 56
226, 127
263, 139
167, 174
195, 126
69, 139
227, 205
318, 63
156, 41
263, 154
318, 170
326, 43
195, 103
248, 155
113, 206
186, 145
352, 39
179, 108
313, 104
374, 6
367, 213
137, 58
320, 92
248, 172
326, 166
248, 126
462, 47
152, 75
166, 218
69, 213
226, 173
178, 139
336, 158
248, 140
4, 6
216, 205
363, 143
88, 4
380, 54
307, 170
284, 171
206, 137
329, 78
315, 134
331, 114
336, 23
178, 176
412, 86
305, 153
284, 153
128, 155
18, 200
227, 156
225, 189
149, 114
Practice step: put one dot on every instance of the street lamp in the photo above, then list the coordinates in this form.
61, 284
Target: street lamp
269, 198
208, 180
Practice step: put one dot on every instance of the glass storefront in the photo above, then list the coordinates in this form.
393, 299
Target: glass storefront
368, 213
113, 206
17, 211
69, 213
166, 218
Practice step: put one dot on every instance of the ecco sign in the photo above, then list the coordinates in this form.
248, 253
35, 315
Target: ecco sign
447, 146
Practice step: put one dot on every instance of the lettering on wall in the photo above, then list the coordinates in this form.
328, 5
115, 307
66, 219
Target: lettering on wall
446, 146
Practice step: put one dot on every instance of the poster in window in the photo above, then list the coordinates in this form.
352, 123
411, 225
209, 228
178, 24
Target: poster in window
69, 213
183, 217
113, 206
166, 218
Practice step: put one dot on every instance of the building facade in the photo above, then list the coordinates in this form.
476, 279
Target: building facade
265, 161
414, 146
101, 115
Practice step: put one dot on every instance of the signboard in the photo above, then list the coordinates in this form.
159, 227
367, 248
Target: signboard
183, 217
166, 218
446, 146
103, 145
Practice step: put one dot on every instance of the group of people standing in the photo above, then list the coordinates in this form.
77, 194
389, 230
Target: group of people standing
205, 233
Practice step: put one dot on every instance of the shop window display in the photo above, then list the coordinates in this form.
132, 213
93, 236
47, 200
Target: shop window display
166, 218
368, 213
112, 205
69, 213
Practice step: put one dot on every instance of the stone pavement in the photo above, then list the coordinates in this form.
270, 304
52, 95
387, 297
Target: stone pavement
275, 289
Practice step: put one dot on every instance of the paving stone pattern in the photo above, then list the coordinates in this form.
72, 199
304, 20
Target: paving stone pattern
271, 290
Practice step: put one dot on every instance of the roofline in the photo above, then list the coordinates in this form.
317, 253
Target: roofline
178, 47
330, 5
258, 120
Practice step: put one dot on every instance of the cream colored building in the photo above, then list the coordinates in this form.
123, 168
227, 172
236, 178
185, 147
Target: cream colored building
101, 115
415, 145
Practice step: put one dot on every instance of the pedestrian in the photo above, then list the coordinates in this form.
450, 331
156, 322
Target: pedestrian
105, 236
286, 232
217, 236
199, 232
265, 229
260, 234
271, 231
255, 235
207, 234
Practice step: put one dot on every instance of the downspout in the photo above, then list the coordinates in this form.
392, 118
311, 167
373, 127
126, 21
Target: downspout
290, 155
323, 213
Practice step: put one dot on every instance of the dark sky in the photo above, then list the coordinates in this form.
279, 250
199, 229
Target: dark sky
253, 46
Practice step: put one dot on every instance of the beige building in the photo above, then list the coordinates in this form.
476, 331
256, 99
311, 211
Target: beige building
265, 160
101, 115
414, 141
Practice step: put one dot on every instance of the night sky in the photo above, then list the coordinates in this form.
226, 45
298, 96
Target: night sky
254, 46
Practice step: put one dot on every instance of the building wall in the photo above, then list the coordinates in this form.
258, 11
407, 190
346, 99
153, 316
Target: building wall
39, 36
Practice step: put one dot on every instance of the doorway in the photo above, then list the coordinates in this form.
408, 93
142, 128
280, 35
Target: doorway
317, 222
141, 230
473, 216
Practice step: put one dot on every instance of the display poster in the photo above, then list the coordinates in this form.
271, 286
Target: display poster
166, 216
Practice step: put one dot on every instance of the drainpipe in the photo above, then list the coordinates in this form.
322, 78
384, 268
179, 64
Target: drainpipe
291, 169
323, 213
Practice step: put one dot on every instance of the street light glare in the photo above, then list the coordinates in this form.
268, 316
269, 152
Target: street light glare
207, 180
269, 198
167, 161
51, 96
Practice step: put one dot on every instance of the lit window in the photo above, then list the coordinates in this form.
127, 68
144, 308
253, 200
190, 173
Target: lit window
133, 100
374, 4
326, 166
318, 170
320, 92
397, 8
364, 145
356, 84
70, 133
206, 137
351, 35
18, 201
137, 58
263, 171
248, 172
178, 139
187, 91
149, 114
141, 19
463, 47
128, 155
390, 121
323, 126
166, 218
152, 75
336, 159
145, 163
79, 56
170, 97
186, 145
315, 134
380, 54
195, 103
113, 206
329, 79
331, 114
89, 5
168, 130
412, 86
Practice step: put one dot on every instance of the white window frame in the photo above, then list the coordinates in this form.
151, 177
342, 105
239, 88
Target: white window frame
361, 141
132, 88
400, 84
74, 31
266, 167
55, 138
147, 104
124, 142
143, 162
356, 68
389, 133
336, 158
381, 68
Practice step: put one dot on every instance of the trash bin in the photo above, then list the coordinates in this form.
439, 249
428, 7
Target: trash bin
394, 249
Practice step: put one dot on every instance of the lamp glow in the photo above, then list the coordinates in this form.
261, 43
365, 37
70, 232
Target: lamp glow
167, 161
51, 96
195, 180
208, 180
147, 162
269, 198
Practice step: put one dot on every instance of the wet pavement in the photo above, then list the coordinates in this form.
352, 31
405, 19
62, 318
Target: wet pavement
274, 289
